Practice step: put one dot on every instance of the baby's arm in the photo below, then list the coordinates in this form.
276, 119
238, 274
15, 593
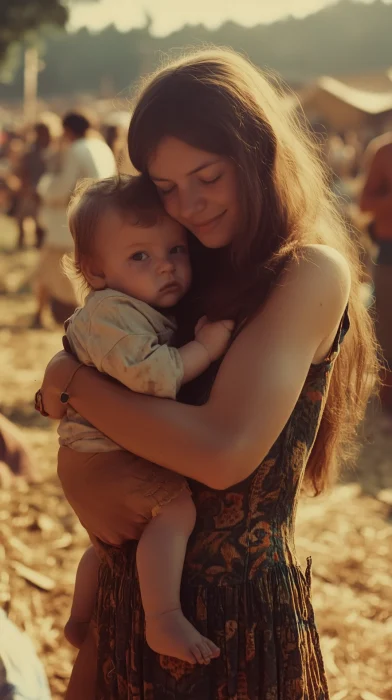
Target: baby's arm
211, 341
145, 366
122, 342
86, 584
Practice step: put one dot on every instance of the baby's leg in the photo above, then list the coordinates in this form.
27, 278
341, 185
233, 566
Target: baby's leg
83, 603
160, 560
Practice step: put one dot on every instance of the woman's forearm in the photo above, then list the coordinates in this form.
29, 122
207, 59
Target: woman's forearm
179, 437
255, 391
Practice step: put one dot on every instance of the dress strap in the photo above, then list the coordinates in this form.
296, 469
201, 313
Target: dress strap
342, 331
344, 326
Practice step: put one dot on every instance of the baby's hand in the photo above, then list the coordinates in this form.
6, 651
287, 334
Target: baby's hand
214, 336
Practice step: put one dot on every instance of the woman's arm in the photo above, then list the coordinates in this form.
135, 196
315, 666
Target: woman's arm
256, 389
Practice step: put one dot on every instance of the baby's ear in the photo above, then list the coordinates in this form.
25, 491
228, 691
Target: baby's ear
93, 274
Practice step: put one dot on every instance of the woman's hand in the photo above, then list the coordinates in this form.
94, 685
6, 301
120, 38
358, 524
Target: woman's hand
58, 375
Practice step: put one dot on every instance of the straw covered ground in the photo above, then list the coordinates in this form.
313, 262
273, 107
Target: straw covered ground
348, 532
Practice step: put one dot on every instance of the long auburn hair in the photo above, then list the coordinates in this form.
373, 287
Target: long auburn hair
217, 101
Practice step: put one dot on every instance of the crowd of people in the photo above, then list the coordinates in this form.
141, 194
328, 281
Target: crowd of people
40, 168
290, 353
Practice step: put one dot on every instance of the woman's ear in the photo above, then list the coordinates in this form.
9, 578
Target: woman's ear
93, 274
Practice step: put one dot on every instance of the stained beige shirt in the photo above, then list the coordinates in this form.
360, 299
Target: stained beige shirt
128, 340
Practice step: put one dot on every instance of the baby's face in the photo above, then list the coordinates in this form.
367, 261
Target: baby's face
151, 264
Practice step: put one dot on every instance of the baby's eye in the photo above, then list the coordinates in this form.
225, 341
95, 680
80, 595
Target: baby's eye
179, 250
139, 257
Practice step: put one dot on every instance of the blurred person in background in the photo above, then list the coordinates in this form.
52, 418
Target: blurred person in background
116, 139
84, 155
4, 192
114, 131
22, 675
31, 168
12, 154
16, 458
33, 165
376, 199
355, 140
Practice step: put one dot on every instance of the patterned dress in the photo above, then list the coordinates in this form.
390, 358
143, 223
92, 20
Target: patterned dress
242, 586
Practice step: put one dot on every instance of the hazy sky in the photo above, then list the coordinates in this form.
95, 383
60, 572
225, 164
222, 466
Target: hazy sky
172, 14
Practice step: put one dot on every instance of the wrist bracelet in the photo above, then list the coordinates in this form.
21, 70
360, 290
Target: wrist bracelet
64, 396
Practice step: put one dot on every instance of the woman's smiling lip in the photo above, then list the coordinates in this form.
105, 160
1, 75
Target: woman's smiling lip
208, 223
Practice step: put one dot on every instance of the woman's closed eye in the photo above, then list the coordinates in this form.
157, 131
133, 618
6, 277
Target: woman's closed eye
210, 181
165, 191
140, 256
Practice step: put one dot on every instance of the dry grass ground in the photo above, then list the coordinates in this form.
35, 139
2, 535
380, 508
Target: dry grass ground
348, 532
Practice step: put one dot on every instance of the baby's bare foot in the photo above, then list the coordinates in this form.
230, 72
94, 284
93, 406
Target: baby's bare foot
75, 632
170, 634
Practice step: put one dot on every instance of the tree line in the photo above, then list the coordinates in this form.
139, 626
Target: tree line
346, 38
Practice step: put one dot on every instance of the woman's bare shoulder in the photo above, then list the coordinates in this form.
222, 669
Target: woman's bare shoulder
326, 255
311, 295
325, 271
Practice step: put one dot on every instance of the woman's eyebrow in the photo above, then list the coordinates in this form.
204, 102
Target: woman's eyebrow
191, 172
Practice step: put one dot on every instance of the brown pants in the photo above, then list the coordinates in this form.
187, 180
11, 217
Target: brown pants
115, 494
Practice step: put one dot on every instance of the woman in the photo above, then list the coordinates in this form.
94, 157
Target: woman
231, 165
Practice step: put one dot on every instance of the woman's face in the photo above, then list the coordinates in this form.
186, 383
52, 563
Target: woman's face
199, 189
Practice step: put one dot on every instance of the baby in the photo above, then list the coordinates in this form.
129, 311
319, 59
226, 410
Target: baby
134, 261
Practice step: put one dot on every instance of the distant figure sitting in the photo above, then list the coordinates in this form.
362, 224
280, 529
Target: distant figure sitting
15, 457
85, 155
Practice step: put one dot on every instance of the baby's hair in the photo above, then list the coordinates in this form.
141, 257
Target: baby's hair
128, 195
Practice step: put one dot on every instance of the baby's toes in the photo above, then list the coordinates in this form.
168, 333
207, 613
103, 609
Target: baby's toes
196, 650
214, 651
205, 650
